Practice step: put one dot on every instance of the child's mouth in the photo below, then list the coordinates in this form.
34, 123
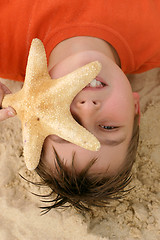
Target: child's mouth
96, 83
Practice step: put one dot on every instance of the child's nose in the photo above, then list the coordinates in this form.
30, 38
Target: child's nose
85, 109
88, 105
85, 112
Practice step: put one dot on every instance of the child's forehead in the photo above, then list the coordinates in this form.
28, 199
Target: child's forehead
111, 158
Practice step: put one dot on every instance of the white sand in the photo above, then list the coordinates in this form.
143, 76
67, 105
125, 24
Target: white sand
136, 217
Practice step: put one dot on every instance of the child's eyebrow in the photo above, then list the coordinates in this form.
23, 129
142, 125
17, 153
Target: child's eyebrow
114, 142
107, 142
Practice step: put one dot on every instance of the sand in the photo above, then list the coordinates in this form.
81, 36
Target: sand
135, 217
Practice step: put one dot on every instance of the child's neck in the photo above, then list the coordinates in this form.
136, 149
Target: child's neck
74, 45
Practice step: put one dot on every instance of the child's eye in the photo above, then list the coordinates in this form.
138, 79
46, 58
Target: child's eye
108, 127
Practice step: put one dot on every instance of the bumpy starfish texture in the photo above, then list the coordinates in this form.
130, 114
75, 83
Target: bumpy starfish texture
43, 105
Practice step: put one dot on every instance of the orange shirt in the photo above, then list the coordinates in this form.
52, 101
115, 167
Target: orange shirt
131, 27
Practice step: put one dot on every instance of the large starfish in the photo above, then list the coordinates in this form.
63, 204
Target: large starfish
43, 105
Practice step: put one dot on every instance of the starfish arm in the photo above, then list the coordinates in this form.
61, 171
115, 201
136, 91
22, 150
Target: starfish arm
68, 129
36, 70
32, 144
71, 84
14, 100
9, 100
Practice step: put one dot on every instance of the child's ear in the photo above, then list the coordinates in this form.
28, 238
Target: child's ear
136, 102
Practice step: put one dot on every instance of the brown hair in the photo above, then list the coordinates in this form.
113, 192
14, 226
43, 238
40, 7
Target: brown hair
83, 190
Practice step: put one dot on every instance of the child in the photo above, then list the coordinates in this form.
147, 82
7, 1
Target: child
75, 33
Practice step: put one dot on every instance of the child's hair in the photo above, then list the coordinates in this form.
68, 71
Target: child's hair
83, 190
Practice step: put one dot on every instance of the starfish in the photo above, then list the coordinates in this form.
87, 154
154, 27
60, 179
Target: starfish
43, 105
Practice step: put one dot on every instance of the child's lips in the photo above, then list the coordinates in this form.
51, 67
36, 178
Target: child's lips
98, 87
93, 88
101, 80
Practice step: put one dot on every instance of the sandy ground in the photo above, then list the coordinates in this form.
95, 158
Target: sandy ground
135, 217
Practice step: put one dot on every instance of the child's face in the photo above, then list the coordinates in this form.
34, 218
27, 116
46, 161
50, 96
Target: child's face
113, 106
